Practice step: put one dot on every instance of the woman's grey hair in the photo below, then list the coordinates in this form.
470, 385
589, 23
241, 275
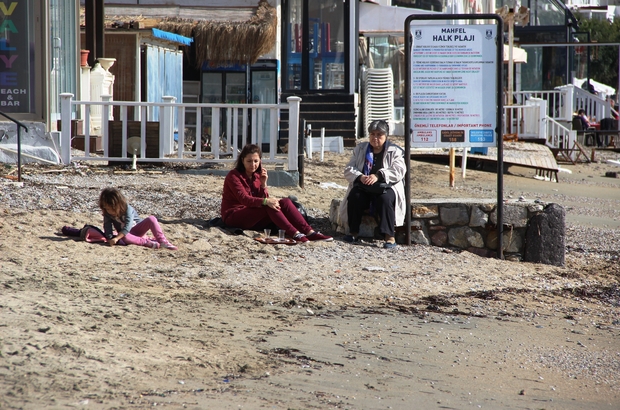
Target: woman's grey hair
379, 125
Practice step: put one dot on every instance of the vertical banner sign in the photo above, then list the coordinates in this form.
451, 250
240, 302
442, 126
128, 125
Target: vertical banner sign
453, 85
15, 69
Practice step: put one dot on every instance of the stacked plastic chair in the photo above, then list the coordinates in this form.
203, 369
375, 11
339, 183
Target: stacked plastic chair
378, 96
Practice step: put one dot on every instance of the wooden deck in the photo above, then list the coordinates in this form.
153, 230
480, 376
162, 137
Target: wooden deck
524, 154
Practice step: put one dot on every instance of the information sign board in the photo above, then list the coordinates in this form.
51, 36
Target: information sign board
453, 84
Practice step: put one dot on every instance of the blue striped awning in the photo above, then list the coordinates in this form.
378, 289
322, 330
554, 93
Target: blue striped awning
165, 35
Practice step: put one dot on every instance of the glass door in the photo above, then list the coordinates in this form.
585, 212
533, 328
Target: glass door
63, 54
234, 93
235, 88
211, 92
264, 87
212, 88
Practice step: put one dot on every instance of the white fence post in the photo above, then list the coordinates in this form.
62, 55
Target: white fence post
166, 135
254, 137
65, 124
234, 113
143, 121
215, 132
105, 129
229, 143
293, 132
322, 143
569, 104
542, 119
273, 130
181, 134
309, 147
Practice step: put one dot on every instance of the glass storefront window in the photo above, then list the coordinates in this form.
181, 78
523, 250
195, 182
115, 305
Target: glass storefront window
315, 36
294, 44
63, 54
531, 72
326, 49
388, 52
542, 12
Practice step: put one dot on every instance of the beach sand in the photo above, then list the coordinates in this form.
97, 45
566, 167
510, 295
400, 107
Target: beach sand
227, 322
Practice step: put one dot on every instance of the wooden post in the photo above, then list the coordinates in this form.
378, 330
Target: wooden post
452, 167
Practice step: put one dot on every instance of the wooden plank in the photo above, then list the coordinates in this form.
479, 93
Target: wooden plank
529, 155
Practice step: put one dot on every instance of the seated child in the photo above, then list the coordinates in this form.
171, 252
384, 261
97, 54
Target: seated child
130, 228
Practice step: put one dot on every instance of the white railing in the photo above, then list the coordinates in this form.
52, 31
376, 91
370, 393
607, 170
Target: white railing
595, 107
555, 100
561, 137
227, 133
566, 100
531, 121
526, 121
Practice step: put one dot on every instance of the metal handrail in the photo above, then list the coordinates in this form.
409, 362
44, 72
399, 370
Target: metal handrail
19, 144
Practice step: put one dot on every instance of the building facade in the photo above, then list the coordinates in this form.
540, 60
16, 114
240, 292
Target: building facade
315, 53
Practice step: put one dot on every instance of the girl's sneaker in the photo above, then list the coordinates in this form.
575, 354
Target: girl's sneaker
152, 245
168, 245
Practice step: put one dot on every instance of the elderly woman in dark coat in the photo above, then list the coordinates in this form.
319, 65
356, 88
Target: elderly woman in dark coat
375, 174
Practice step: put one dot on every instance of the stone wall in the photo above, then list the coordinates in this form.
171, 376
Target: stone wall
533, 231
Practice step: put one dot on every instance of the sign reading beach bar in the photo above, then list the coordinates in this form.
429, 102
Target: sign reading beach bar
16, 75
453, 85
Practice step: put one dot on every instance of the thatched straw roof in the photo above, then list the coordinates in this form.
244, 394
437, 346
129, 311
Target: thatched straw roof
228, 42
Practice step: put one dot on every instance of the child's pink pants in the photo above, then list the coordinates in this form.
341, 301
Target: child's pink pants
137, 234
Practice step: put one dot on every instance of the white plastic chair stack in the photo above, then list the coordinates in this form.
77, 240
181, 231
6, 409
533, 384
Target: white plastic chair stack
378, 96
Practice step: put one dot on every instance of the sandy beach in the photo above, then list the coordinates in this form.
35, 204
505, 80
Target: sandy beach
227, 322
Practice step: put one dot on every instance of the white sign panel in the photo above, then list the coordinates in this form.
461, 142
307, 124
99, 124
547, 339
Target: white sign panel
453, 85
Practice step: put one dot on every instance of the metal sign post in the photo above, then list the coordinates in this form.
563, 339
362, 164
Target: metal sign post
454, 96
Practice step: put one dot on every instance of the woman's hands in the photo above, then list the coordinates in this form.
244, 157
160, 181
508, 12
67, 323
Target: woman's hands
273, 203
263, 177
368, 179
